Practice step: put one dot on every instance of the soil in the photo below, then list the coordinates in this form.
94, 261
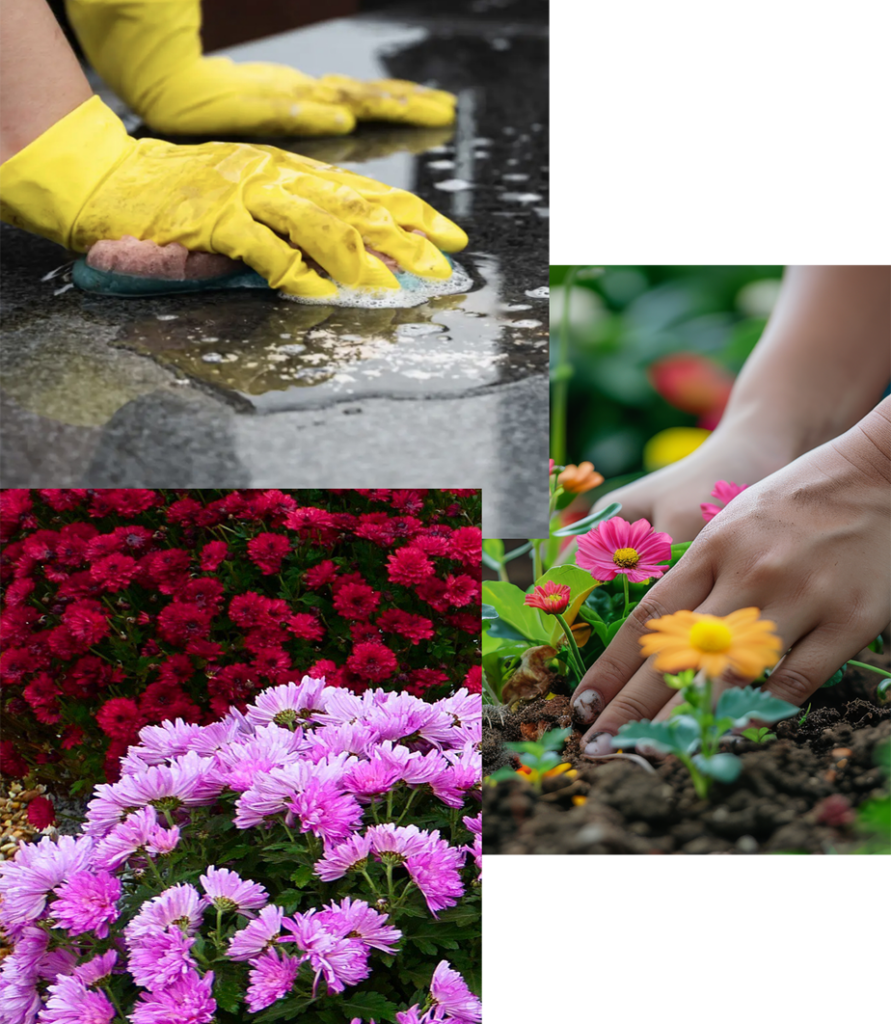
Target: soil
796, 794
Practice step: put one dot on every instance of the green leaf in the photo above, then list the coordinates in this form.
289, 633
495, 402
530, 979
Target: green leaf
613, 628
836, 677
493, 552
723, 767
517, 552
502, 775
302, 876
227, 990
589, 522
499, 629
578, 580
488, 612
679, 735
877, 646
368, 1005
742, 704
509, 602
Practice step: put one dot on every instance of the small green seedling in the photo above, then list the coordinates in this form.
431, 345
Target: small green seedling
538, 757
803, 718
694, 736
762, 735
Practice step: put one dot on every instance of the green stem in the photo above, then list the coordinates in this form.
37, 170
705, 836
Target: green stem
411, 797
701, 782
561, 385
627, 597
389, 805
107, 989
573, 646
374, 888
502, 573
536, 559
290, 833
220, 927
155, 871
882, 692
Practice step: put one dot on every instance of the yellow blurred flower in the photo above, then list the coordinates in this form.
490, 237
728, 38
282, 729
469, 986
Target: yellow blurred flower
579, 479
671, 445
740, 641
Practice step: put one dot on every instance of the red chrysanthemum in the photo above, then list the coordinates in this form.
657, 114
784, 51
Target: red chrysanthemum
213, 555
86, 621
163, 700
318, 575
63, 500
372, 661
462, 590
356, 601
12, 763
422, 680
41, 813
473, 681
267, 551
467, 545
114, 572
179, 623
305, 626
119, 718
125, 501
413, 627
408, 565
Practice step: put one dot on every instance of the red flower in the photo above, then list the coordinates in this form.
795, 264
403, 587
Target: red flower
41, 691
270, 661
207, 649
213, 555
114, 572
72, 736
125, 501
14, 506
64, 500
11, 762
412, 627
439, 545
134, 540
433, 591
119, 718
267, 550
473, 681
467, 545
364, 631
461, 590
178, 668
41, 812
17, 593
552, 598
168, 569
372, 661
248, 609
179, 623
421, 680
306, 626
408, 501
320, 574
86, 621
309, 521
184, 512
164, 700
205, 592
356, 601
408, 565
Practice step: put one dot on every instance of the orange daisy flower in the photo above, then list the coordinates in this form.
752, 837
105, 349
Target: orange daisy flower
740, 641
579, 479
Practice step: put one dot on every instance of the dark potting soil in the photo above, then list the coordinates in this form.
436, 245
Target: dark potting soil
795, 794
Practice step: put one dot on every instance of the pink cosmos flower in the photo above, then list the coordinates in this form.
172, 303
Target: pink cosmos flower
617, 547
449, 991
228, 891
187, 1001
71, 1002
725, 492
271, 976
87, 901
552, 598
257, 935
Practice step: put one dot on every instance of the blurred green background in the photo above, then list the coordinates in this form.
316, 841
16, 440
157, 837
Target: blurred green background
624, 319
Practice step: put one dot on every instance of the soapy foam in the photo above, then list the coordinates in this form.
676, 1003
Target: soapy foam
413, 291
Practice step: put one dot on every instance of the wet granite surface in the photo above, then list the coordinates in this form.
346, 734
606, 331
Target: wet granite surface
242, 389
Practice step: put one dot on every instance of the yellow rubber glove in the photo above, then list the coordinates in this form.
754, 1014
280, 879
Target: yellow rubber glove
149, 52
85, 179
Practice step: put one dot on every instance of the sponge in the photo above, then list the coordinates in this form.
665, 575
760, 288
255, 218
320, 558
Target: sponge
134, 268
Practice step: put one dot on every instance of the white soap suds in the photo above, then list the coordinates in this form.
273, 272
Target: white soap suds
455, 185
540, 293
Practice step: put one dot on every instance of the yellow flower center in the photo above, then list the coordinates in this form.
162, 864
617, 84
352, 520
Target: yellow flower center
626, 558
710, 637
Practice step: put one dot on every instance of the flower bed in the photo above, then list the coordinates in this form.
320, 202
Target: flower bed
318, 855
129, 607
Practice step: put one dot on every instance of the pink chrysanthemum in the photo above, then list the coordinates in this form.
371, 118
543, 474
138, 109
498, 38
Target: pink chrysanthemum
355, 919
228, 891
551, 597
449, 990
87, 901
187, 1001
725, 492
339, 961
71, 1002
257, 935
617, 547
271, 977
350, 855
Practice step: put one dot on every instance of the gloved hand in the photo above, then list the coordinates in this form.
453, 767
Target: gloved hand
85, 179
149, 52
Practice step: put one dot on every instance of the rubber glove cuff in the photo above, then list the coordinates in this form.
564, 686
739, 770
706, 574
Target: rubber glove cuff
44, 186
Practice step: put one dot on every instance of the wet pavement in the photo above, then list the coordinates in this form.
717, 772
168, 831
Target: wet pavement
248, 389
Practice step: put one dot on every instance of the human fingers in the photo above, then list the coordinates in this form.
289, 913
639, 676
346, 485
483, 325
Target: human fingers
687, 585
333, 243
242, 238
394, 100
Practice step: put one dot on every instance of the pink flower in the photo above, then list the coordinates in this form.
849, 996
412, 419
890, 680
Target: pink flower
87, 901
350, 855
617, 547
71, 1002
160, 959
257, 935
271, 977
186, 1001
552, 598
449, 990
724, 492
340, 961
228, 891
355, 919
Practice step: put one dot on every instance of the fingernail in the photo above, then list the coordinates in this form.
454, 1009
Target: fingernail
599, 744
586, 707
